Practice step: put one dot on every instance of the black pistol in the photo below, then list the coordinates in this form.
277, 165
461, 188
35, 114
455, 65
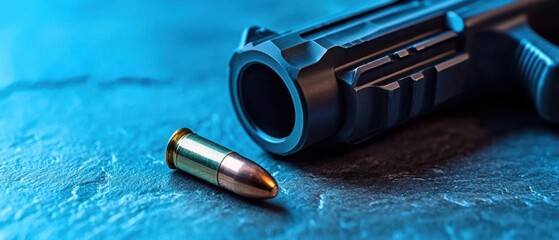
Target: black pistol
350, 77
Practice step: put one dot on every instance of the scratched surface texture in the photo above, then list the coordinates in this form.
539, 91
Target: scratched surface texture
90, 91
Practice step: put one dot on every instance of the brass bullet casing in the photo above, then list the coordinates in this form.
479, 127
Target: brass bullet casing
218, 165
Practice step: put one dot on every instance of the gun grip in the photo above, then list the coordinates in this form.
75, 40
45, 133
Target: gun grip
537, 68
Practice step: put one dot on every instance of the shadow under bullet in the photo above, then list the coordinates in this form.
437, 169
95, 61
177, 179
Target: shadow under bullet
185, 182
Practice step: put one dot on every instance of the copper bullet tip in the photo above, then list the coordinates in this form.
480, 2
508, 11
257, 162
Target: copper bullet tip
246, 178
218, 165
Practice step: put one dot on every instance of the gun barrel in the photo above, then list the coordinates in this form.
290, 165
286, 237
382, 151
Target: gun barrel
348, 78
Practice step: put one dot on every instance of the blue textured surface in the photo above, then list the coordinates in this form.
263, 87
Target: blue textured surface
90, 93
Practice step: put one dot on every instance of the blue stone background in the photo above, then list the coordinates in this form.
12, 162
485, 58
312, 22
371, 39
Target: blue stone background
90, 91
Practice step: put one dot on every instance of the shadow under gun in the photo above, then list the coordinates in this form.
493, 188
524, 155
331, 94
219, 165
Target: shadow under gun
350, 77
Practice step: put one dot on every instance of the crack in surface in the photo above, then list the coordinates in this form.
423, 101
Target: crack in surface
41, 85
138, 81
19, 86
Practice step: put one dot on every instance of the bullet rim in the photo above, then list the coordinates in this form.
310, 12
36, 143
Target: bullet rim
172, 145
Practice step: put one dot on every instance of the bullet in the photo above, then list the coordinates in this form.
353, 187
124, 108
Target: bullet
218, 165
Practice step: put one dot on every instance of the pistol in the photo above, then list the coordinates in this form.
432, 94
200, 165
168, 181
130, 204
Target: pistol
353, 76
